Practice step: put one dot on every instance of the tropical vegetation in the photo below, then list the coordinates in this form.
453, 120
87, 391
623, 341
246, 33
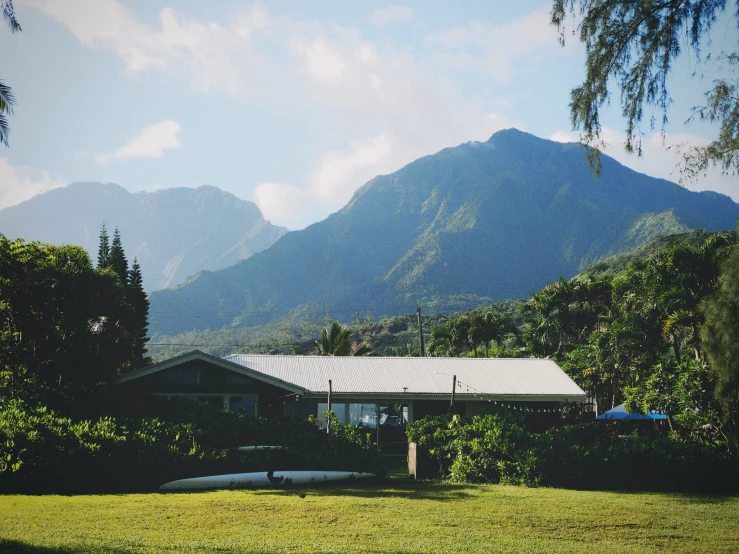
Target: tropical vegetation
67, 327
635, 45
657, 333
67, 330
336, 340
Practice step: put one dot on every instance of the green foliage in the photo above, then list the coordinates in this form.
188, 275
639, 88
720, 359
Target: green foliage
117, 257
721, 313
722, 107
140, 316
7, 102
336, 341
613, 331
686, 394
499, 449
635, 44
41, 452
66, 329
472, 333
103, 248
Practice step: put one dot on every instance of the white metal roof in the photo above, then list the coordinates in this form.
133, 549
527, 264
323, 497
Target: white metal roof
493, 377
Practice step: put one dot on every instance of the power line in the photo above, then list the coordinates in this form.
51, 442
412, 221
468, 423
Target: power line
321, 312
223, 345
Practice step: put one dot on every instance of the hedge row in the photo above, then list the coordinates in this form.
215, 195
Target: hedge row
498, 449
43, 453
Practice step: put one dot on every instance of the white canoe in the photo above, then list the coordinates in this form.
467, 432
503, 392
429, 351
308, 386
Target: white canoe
261, 479
251, 448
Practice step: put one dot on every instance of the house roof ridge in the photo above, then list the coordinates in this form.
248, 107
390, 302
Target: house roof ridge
384, 357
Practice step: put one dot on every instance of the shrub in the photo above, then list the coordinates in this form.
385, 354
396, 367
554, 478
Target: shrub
41, 452
498, 449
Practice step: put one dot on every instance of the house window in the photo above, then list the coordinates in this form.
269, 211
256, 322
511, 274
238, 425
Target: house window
338, 408
215, 401
394, 415
364, 415
245, 404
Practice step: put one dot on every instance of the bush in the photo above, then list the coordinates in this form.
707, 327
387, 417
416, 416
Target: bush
41, 452
498, 449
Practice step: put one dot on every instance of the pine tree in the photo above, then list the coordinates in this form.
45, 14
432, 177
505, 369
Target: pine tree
104, 248
140, 317
117, 258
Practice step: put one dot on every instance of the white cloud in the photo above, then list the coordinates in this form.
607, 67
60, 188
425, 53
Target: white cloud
374, 107
151, 142
20, 183
321, 61
391, 14
337, 168
210, 54
660, 158
284, 204
494, 50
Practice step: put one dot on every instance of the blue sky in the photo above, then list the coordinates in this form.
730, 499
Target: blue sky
294, 105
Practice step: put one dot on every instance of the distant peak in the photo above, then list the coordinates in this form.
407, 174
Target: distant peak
94, 185
510, 133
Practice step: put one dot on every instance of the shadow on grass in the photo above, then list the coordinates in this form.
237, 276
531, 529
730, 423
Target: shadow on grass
18, 547
405, 488
360, 488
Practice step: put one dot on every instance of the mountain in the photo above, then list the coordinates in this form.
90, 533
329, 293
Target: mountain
174, 232
471, 224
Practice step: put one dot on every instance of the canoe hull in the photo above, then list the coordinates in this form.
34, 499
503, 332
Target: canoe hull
261, 479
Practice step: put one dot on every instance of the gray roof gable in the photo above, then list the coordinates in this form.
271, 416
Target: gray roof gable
492, 378
489, 377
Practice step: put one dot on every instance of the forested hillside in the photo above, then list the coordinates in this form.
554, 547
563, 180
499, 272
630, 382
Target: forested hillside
477, 223
399, 335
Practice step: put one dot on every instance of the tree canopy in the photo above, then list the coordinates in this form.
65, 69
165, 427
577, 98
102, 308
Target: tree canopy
721, 333
634, 43
66, 328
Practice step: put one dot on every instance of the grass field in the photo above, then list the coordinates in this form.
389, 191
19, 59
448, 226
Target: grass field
393, 516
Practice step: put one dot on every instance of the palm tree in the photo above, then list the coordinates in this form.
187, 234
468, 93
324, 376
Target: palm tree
7, 100
336, 341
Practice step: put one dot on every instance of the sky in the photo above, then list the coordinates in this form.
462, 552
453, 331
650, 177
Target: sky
294, 105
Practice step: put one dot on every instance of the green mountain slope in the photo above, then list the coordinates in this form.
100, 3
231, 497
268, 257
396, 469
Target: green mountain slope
390, 336
470, 224
174, 232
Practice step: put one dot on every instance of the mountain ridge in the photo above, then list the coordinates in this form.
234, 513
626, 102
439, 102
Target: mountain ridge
174, 232
481, 221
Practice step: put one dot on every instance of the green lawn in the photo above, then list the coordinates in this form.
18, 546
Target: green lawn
394, 516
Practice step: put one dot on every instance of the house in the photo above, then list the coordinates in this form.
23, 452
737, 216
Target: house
365, 390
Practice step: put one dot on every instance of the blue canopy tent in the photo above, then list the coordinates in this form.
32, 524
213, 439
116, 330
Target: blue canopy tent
620, 413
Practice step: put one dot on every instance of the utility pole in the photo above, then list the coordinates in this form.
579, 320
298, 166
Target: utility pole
420, 331
328, 421
454, 391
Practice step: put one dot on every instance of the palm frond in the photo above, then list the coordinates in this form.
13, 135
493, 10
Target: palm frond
7, 102
364, 349
9, 15
677, 317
